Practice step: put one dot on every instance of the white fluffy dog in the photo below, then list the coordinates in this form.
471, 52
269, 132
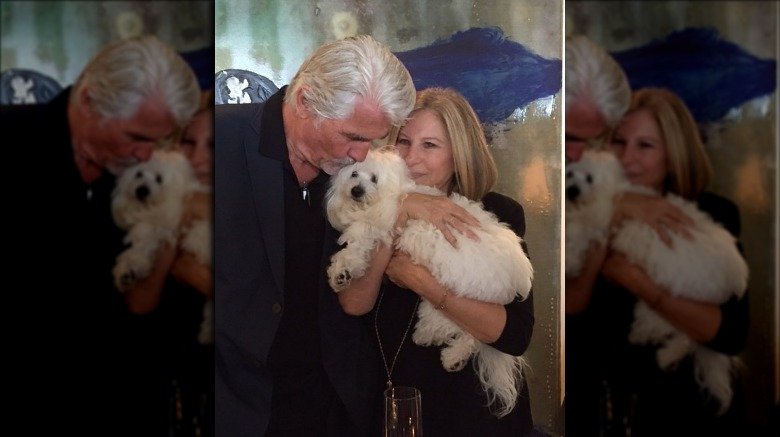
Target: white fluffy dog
708, 268
362, 203
148, 202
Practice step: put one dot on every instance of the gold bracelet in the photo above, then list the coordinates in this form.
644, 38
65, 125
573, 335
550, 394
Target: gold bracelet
440, 306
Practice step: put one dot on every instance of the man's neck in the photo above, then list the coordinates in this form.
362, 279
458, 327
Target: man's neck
304, 170
89, 171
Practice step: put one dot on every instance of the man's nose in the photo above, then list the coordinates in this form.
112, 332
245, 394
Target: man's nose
143, 153
358, 153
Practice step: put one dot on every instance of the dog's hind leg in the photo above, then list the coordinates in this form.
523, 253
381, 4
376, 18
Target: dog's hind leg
457, 352
673, 350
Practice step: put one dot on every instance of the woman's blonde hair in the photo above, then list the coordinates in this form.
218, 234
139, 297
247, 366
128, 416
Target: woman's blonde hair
475, 169
688, 168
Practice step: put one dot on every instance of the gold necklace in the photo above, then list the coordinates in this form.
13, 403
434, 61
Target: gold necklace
389, 370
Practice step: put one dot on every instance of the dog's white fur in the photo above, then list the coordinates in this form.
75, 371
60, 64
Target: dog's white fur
147, 203
362, 203
708, 268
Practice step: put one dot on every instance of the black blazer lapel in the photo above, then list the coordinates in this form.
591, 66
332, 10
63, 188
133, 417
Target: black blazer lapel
267, 179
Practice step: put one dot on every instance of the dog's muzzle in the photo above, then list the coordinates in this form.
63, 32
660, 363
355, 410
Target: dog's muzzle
573, 192
142, 192
357, 192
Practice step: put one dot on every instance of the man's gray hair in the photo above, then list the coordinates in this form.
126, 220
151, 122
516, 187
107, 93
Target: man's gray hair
126, 72
594, 77
339, 71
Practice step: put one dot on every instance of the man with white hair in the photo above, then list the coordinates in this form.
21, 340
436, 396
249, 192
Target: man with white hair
597, 94
289, 361
71, 354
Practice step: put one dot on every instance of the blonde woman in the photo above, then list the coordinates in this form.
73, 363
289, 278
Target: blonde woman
658, 145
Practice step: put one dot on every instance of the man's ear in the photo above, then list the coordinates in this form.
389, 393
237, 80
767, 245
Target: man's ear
302, 108
85, 101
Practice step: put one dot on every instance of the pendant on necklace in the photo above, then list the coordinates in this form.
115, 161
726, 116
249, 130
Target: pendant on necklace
389, 384
305, 193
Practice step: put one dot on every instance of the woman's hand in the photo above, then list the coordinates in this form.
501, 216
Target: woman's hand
188, 270
617, 269
439, 211
403, 272
654, 210
197, 206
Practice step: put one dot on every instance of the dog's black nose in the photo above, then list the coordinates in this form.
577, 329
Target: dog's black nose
142, 192
357, 191
573, 192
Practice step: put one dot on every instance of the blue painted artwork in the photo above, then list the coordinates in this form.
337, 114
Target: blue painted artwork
496, 75
710, 74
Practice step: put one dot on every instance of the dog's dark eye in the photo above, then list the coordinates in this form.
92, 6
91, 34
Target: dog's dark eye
158, 179
138, 174
589, 178
373, 178
354, 174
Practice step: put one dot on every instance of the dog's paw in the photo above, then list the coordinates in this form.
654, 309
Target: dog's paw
129, 268
425, 337
452, 359
671, 353
340, 281
124, 277
338, 278
343, 278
